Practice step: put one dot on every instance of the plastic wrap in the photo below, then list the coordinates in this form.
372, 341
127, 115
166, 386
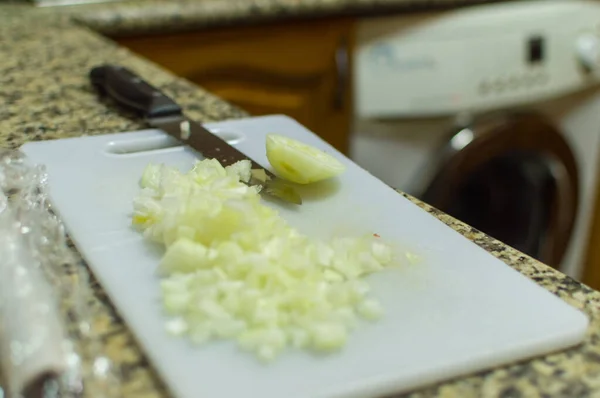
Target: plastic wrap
48, 345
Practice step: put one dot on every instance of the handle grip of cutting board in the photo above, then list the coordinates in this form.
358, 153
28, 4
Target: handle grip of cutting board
129, 90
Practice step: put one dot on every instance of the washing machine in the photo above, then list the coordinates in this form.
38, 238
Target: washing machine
490, 113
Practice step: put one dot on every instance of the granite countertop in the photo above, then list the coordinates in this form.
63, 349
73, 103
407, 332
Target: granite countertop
45, 94
147, 16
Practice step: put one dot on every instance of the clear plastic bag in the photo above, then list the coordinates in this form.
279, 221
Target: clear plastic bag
48, 345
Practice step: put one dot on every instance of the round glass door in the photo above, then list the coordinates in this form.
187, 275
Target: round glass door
512, 176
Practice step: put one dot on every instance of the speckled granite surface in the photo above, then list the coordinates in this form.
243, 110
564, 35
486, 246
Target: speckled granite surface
137, 16
44, 94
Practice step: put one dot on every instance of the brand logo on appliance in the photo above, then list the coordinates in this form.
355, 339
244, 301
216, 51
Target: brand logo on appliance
386, 55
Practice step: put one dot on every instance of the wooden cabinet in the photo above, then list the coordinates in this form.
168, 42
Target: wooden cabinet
300, 69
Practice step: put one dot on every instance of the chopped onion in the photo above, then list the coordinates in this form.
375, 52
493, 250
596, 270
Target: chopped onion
234, 269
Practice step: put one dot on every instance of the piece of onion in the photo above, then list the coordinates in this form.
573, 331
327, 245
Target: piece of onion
234, 269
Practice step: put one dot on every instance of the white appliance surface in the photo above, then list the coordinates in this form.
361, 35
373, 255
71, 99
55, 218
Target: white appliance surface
416, 74
459, 310
476, 58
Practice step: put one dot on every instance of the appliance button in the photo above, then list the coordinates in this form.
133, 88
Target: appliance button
484, 88
539, 79
529, 80
499, 85
513, 83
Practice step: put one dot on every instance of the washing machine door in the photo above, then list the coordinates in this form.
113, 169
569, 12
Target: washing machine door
512, 176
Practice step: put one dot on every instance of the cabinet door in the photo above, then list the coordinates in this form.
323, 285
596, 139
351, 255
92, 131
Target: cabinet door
300, 69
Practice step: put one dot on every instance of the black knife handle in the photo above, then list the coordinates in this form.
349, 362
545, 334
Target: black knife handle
129, 90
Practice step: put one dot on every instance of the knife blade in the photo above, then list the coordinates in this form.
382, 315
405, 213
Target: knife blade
129, 90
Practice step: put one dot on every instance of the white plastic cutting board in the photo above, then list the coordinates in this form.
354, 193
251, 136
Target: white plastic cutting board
460, 310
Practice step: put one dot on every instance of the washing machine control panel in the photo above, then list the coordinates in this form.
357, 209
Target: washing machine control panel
476, 58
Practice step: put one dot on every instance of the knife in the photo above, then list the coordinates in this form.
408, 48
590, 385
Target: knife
130, 91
